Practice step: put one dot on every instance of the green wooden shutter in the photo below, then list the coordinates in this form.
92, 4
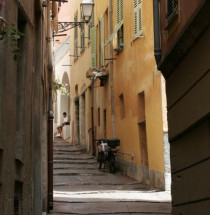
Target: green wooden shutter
93, 46
82, 34
102, 39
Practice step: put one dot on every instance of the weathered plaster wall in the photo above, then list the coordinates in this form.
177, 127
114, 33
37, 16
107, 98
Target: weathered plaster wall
188, 112
21, 160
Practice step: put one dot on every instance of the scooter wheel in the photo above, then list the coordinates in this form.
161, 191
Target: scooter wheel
99, 165
112, 166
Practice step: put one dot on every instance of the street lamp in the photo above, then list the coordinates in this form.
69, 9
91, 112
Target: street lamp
86, 9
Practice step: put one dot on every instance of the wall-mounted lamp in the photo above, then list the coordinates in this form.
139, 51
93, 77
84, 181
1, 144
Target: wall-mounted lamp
86, 9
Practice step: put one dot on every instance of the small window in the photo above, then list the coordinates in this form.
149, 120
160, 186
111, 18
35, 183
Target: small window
18, 198
99, 117
172, 8
104, 123
122, 106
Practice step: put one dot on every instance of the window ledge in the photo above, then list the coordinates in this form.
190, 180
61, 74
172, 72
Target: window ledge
143, 121
82, 51
75, 59
137, 37
117, 51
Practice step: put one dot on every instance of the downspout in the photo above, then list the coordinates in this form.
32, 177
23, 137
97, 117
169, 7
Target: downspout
50, 112
111, 71
156, 17
92, 117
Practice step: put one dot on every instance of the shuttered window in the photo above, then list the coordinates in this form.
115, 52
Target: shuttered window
93, 46
90, 25
75, 39
172, 8
120, 39
137, 18
82, 34
119, 11
102, 39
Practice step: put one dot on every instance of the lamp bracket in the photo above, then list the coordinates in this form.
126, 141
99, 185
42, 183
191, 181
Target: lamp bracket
65, 26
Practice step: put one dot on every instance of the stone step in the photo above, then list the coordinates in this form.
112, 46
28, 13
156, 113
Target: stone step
75, 161
112, 208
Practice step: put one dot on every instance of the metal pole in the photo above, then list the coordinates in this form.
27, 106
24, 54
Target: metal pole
50, 112
92, 117
156, 17
50, 163
111, 72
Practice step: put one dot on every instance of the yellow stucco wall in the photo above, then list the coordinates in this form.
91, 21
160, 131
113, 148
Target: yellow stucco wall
134, 72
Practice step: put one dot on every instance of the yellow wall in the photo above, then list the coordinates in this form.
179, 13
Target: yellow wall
134, 72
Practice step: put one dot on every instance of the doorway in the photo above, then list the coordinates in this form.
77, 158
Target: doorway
142, 130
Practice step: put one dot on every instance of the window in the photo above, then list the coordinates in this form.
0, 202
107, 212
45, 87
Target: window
18, 198
75, 38
122, 106
120, 40
90, 25
82, 34
99, 118
172, 8
104, 123
102, 39
93, 46
137, 18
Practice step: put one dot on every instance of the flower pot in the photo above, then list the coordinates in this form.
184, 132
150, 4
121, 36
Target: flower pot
2, 24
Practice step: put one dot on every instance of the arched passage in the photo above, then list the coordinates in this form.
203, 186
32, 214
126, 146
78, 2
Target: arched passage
65, 99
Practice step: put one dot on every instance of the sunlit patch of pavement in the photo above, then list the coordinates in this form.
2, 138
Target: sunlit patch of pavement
114, 195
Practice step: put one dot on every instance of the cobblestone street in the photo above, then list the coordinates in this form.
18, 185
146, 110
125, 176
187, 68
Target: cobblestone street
80, 188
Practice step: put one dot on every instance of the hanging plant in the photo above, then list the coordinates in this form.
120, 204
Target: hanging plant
2, 4
10, 32
14, 35
57, 86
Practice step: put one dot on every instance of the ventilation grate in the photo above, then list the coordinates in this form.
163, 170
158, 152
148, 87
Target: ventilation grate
172, 7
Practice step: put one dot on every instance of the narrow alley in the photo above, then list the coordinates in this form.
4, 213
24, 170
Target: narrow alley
80, 188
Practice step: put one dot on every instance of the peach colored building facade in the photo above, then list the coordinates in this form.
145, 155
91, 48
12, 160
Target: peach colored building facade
129, 101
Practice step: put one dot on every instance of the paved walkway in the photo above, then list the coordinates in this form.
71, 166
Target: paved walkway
80, 188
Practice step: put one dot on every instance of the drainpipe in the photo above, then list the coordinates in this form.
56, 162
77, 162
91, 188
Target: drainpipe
156, 17
111, 71
50, 112
92, 118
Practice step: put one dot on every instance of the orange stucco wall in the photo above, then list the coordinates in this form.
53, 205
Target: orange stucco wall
134, 72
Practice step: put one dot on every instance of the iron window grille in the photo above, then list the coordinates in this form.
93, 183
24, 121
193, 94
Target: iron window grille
18, 198
172, 8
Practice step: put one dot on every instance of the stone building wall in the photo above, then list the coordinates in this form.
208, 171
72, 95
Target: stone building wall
186, 67
23, 119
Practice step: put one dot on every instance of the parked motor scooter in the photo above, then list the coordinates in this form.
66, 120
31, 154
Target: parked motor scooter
106, 153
